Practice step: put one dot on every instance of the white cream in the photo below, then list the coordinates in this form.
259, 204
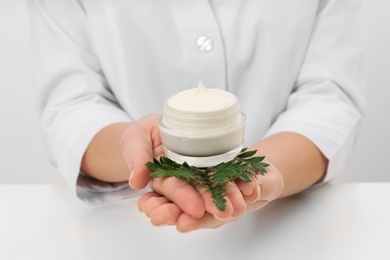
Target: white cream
202, 99
202, 126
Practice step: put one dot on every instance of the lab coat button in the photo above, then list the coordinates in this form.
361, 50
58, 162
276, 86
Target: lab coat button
205, 43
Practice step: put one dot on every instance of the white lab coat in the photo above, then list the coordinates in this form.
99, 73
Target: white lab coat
295, 66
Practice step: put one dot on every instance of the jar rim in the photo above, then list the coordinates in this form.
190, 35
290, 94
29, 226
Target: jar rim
200, 120
188, 132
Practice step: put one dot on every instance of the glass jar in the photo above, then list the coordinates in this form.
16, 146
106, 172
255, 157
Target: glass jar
203, 137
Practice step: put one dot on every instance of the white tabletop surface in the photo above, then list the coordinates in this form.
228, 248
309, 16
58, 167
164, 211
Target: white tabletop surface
333, 221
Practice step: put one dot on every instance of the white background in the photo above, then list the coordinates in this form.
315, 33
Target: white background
23, 158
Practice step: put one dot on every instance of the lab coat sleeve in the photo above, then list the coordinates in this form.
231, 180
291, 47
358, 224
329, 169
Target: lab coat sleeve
327, 103
74, 100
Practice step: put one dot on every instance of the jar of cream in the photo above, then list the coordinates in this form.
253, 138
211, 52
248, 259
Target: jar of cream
202, 126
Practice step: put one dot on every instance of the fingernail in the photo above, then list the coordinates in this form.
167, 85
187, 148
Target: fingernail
130, 177
185, 231
247, 193
197, 216
221, 219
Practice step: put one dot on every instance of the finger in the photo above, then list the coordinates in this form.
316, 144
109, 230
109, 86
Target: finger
166, 214
257, 205
255, 196
158, 152
236, 199
152, 203
142, 153
139, 145
137, 150
144, 197
185, 223
247, 188
250, 190
210, 205
182, 194
271, 185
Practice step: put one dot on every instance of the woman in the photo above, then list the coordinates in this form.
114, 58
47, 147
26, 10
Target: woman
104, 68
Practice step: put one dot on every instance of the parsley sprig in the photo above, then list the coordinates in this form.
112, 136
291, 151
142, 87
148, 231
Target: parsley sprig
215, 178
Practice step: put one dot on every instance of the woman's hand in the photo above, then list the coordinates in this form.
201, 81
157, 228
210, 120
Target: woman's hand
119, 152
170, 201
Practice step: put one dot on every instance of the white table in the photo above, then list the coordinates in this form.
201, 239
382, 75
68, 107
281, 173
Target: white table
334, 221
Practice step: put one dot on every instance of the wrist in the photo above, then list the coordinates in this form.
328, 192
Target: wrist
103, 159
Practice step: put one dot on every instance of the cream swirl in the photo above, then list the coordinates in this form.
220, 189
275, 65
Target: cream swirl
202, 99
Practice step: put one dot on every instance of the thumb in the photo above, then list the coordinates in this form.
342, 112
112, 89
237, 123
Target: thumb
139, 175
271, 184
137, 150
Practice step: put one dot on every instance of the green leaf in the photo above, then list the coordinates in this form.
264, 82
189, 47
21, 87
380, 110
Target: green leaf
188, 174
223, 176
162, 173
255, 159
260, 167
252, 172
152, 166
185, 164
218, 195
246, 154
216, 177
167, 161
245, 178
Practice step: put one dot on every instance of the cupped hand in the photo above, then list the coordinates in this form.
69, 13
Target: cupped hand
168, 204
173, 195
